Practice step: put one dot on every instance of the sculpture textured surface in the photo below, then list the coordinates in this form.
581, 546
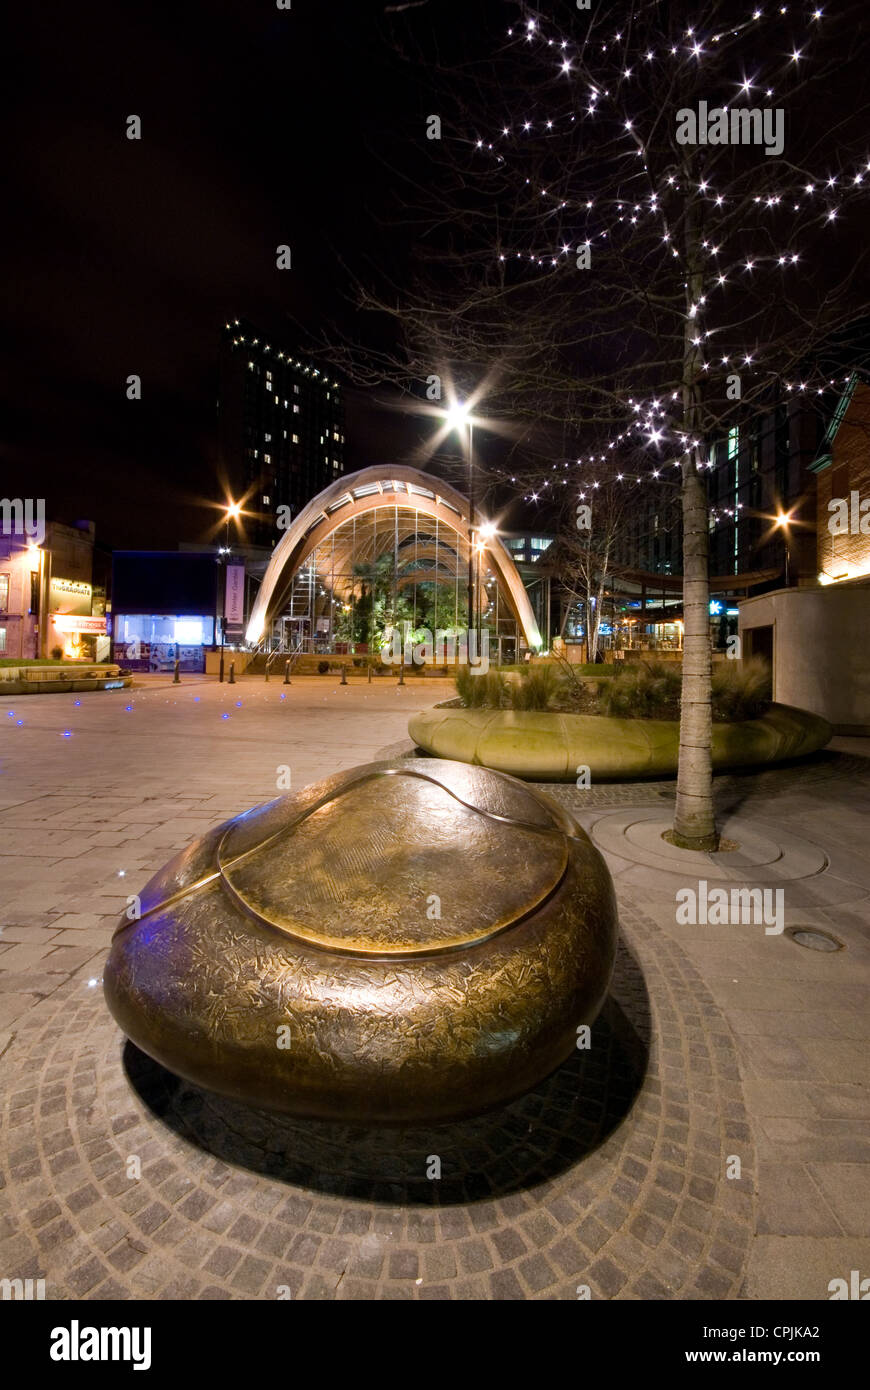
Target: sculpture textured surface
389, 945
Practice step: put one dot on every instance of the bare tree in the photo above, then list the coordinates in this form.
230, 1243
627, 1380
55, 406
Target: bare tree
582, 558
636, 226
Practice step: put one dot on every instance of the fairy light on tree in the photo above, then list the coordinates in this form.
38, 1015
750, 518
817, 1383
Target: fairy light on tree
650, 222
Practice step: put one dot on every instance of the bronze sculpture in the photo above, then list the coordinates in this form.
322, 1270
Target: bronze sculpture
389, 945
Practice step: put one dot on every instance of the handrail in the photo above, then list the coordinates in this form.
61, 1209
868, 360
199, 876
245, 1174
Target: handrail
281, 650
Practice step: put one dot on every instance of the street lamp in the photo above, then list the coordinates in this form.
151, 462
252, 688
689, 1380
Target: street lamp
783, 521
232, 511
38, 554
458, 416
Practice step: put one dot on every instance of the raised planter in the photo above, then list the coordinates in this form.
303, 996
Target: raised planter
545, 747
54, 680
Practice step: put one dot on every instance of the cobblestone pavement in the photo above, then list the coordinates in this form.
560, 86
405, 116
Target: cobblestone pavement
120, 1181
609, 1174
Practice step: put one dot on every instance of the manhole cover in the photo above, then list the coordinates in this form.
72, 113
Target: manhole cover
816, 941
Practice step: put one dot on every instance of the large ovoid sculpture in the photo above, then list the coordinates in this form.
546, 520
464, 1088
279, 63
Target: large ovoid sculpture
390, 945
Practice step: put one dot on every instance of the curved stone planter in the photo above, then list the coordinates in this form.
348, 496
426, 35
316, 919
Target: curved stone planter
545, 747
389, 945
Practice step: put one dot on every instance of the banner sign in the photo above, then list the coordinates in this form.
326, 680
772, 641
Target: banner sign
234, 603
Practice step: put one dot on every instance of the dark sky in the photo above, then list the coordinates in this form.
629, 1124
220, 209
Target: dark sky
259, 127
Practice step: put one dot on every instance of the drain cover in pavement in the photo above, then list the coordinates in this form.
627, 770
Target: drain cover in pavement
816, 941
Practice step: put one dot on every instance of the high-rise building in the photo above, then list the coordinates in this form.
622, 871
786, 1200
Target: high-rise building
760, 472
280, 429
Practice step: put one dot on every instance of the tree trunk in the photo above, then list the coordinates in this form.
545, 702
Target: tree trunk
694, 822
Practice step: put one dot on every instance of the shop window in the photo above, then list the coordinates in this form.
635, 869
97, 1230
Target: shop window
4, 592
153, 642
2, 639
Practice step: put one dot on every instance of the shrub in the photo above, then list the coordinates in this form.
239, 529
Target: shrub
647, 690
57, 653
323, 667
480, 692
537, 688
741, 689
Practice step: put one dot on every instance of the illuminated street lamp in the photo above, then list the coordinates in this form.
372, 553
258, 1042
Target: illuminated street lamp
457, 417
783, 521
37, 555
232, 512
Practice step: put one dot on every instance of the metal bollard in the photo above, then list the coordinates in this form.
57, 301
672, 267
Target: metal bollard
402, 674
343, 674
370, 672
232, 679
176, 679
286, 672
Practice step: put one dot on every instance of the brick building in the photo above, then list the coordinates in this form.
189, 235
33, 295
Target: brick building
842, 470
53, 593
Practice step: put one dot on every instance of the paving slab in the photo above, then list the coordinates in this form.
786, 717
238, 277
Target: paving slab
720, 1050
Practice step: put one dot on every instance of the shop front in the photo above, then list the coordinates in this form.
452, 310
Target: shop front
164, 608
155, 641
75, 632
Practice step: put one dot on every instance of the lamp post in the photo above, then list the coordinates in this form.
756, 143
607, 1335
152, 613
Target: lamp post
783, 521
487, 531
37, 553
232, 511
457, 417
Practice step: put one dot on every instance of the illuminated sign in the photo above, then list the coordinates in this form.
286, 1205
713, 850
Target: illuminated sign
72, 622
70, 595
71, 586
715, 608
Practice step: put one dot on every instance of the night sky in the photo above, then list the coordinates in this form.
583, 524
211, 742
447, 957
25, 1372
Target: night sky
259, 127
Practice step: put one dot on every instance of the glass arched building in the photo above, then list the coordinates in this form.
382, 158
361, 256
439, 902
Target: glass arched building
383, 549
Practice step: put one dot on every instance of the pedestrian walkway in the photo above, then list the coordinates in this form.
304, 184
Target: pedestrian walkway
616, 1177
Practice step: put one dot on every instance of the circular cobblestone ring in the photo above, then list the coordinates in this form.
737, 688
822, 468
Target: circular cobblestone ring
390, 945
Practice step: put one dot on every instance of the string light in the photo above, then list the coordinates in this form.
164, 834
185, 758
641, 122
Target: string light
614, 217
